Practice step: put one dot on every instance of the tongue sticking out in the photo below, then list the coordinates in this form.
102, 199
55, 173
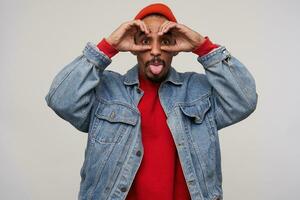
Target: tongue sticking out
156, 69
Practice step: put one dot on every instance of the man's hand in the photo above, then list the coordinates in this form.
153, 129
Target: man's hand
186, 39
122, 38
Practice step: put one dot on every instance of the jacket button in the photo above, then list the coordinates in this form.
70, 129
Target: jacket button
107, 189
112, 115
138, 153
123, 189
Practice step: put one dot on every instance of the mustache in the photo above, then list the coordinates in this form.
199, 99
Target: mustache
156, 61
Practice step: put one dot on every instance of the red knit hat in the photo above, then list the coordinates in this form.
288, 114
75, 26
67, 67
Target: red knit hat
157, 8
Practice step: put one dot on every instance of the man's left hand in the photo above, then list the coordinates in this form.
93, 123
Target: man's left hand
186, 39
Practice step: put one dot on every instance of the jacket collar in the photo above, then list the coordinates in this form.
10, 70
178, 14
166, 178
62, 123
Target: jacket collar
131, 77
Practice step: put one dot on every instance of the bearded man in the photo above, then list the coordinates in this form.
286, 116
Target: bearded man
153, 132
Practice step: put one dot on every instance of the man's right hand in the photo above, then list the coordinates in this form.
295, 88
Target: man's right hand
122, 38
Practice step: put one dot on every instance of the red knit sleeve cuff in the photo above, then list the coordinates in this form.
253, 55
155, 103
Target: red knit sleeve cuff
205, 47
106, 48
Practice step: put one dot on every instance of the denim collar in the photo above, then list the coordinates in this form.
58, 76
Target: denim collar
131, 77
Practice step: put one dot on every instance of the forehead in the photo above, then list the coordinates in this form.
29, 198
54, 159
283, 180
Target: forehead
154, 22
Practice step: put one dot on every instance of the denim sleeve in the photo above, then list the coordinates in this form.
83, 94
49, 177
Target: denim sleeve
72, 92
234, 94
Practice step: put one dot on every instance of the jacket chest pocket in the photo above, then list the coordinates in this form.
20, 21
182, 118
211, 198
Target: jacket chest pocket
196, 112
112, 121
198, 123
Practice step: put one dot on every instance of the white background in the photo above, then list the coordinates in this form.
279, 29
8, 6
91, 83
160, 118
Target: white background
41, 155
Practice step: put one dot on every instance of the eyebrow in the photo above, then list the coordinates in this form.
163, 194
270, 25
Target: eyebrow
141, 33
169, 33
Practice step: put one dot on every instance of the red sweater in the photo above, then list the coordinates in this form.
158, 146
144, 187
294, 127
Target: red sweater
160, 175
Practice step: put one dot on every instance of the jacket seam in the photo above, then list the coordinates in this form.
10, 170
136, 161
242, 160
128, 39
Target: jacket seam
99, 99
58, 85
237, 82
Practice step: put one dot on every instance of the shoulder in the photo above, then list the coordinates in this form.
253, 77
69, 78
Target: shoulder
110, 80
196, 85
111, 76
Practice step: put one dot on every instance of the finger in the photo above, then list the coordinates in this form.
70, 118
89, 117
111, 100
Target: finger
162, 26
141, 25
136, 24
170, 48
166, 25
137, 48
169, 27
159, 30
145, 27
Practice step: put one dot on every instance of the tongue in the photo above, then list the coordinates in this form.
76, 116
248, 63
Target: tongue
156, 69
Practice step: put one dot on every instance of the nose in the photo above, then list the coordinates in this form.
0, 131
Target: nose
155, 49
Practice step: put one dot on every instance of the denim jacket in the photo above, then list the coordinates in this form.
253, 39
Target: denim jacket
104, 103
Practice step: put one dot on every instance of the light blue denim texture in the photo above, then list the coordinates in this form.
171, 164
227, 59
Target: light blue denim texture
104, 103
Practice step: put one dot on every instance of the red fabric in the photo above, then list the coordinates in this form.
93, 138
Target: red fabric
205, 47
160, 175
107, 48
156, 8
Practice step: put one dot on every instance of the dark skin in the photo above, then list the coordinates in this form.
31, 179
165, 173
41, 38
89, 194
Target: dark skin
154, 39
155, 54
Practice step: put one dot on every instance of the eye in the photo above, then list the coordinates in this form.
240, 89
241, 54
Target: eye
165, 42
145, 41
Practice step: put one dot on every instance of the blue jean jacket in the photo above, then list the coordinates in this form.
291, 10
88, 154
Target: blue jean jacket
104, 103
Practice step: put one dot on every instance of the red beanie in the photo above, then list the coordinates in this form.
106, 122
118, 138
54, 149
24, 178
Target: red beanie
157, 8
